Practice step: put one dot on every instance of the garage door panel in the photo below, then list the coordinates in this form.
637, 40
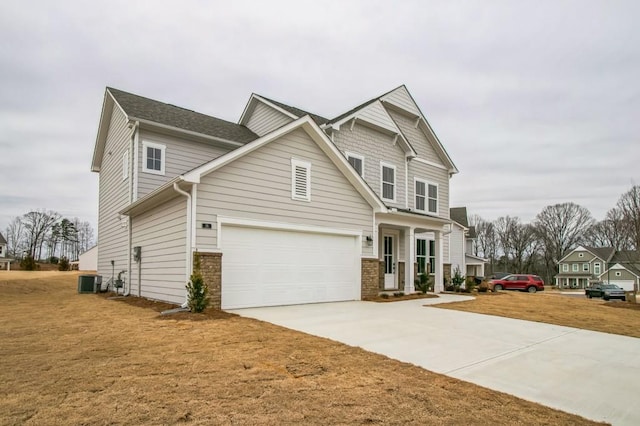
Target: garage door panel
265, 267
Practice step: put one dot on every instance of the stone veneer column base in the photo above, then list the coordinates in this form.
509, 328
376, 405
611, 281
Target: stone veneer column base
370, 278
211, 270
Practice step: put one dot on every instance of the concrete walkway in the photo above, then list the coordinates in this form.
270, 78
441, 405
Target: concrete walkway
595, 375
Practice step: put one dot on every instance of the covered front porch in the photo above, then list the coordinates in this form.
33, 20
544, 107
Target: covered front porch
573, 281
409, 244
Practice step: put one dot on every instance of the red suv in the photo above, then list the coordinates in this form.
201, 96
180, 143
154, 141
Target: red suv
530, 283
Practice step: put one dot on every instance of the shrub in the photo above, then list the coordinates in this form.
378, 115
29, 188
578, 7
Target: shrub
28, 263
63, 264
423, 284
384, 295
483, 287
197, 289
398, 294
457, 278
450, 287
54, 260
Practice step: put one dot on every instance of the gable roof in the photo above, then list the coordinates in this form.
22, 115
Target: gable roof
305, 123
298, 112
2, 240
149, 112
626, 256
603, 253
459, 214
141, 108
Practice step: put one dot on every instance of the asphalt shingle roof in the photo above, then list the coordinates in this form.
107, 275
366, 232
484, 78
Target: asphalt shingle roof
602, 252
159, 112
2, 240
298, 112
459, 214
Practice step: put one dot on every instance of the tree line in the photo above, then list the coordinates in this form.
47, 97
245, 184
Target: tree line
510, 245
47, 235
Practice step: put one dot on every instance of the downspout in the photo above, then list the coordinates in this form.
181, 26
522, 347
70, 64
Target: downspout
134, 136
188, 238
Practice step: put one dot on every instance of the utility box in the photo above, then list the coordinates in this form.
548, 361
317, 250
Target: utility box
87, 284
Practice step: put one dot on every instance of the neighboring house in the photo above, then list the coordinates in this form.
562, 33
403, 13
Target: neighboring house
89, 260
461, 244
584, 265
5, 261
284, 207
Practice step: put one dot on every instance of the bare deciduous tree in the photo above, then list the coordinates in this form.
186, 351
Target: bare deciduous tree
629, 205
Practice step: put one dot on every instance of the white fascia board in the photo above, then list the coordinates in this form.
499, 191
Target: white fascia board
425, 127
151, 199
251, 106
252, 223
152, 124
429, 163
276, 107
579, 248
103, 129
318, 136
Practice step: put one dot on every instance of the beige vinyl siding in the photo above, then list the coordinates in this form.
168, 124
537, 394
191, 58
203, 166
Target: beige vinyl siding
416, 138
265, 119
376, 114
181, 155
446, 252
375, 147
433, 175
258, 186
575, 257
113, 195
401, 98
161, 232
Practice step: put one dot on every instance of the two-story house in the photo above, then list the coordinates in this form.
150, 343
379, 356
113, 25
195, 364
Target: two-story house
462, 242
584, 265
284, 207
5, 261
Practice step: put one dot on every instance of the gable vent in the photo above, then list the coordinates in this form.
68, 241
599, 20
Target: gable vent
300, 180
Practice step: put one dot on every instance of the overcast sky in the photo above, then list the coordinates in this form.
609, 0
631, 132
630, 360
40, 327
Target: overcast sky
537, 102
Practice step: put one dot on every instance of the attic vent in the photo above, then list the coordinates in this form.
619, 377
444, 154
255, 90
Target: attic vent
300, 180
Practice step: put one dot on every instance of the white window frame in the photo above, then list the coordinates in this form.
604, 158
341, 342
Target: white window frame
432, 256
575, 267
295, 164
585, 267
618, 274
416, 195
596, 268
125, 164
356, 156
395, 181
437, 210
425, 255
565, 267
163, 159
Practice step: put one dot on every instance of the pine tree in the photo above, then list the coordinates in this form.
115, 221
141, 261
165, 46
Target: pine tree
197, 289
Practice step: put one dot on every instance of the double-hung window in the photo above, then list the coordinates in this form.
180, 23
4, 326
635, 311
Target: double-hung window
585, 267
596, 268
421, 195
433, 198
421, 255
357, 161
153, 158
565, 267
432, 257
426, 196
388, 181
575, 267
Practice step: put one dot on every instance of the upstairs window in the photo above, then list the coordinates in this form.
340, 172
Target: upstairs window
596, 268
388, 182
565, 267
575, 267
153, 158
421, 195
357, 161
300, 180
433, 198
585, 267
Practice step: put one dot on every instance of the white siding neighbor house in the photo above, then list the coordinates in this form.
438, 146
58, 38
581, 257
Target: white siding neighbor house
284, 207
88, 260
5, 261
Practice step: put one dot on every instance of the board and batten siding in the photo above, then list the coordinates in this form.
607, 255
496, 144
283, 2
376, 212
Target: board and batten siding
265, 119
161, 233
258, 186
113, 195
181, 155
432, 175
456, 250
416, 137
374, 146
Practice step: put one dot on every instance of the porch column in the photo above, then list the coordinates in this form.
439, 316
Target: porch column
437, 285
410, 258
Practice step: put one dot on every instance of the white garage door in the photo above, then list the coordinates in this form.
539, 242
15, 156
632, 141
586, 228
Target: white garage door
266, 267
627, 285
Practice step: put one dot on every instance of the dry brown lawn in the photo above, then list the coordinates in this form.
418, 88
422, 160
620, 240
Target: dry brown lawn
68, 358
553, 308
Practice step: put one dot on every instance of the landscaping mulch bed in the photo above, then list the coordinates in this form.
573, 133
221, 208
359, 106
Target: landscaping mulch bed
393, 298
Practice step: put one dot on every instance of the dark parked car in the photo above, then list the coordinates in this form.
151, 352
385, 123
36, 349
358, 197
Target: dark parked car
606, 291
530, 283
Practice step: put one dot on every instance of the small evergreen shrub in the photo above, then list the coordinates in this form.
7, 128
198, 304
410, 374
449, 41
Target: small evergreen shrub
458, 279
63, 264
197, 289
384, 295
28, 263
423, 284
398, 294
54, 260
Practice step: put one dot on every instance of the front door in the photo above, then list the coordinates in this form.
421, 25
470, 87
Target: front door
389, 257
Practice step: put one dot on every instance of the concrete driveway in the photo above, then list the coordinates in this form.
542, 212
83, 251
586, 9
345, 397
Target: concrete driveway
595, 375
